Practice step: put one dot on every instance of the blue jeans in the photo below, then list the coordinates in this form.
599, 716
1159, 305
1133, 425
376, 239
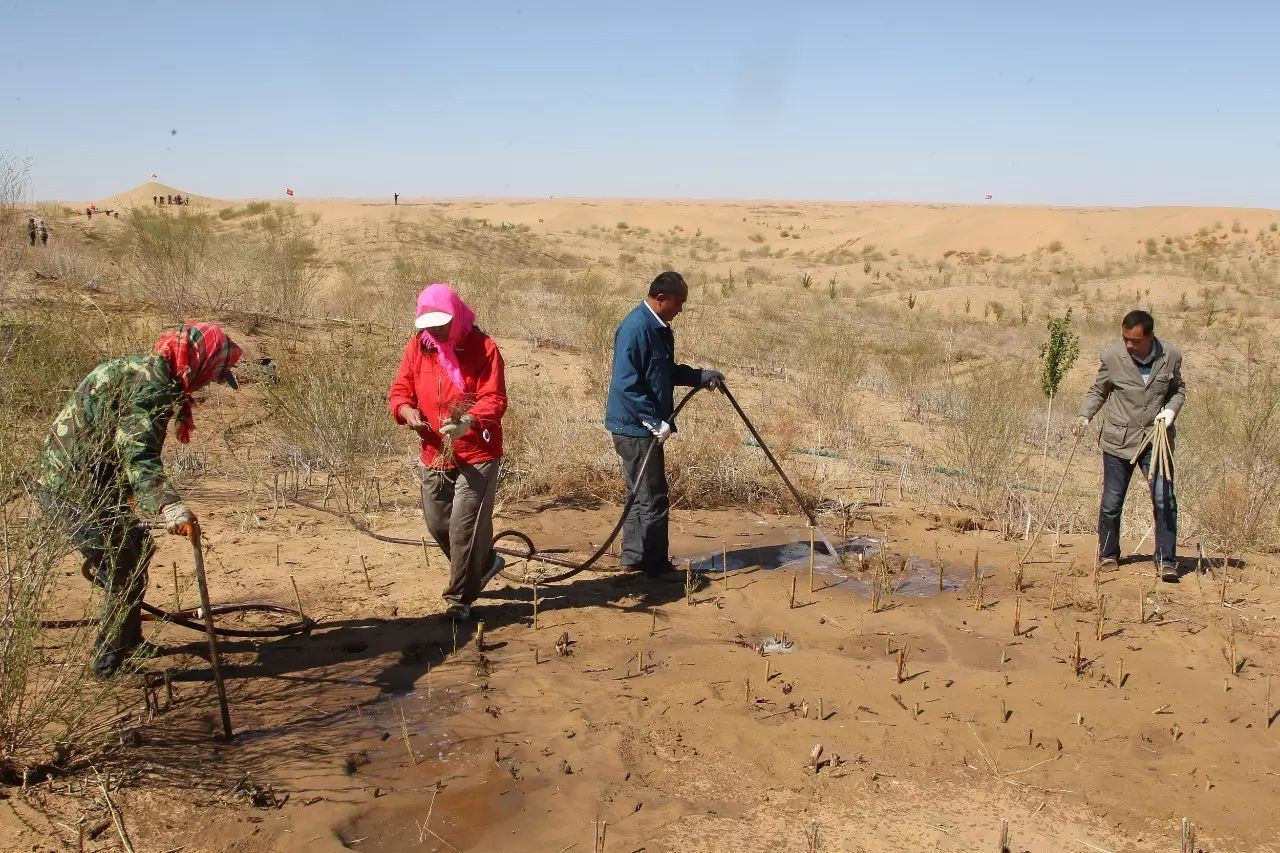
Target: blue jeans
1116, 474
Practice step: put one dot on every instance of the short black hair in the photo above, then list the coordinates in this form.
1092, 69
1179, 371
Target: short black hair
1141, 318
668, 284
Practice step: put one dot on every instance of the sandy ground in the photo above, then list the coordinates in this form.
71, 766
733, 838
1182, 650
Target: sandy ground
702, 742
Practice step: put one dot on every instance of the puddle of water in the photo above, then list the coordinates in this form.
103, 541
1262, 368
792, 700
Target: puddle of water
919, 581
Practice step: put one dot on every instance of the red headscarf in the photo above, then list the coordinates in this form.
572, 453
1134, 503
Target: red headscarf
197, 353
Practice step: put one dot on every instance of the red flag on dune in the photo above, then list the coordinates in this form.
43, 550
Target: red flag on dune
288, 191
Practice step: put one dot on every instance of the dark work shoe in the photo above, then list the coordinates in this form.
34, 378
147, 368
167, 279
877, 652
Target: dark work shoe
108, 662
1168, 572
1108, 564
458, 611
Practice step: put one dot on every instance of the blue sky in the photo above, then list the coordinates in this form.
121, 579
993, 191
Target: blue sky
1034, 102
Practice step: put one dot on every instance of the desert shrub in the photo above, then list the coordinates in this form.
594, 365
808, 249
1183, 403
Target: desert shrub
183, 264
1228, 460
331, 411
53, 710
983, 435
254, 208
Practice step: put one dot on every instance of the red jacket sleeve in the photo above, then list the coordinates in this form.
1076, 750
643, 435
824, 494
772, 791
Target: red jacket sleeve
491, 387
402, 387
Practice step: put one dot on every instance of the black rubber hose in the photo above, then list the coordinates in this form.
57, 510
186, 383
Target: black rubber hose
571, 568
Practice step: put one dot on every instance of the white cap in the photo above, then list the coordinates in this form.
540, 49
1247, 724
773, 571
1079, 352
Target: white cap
432, 319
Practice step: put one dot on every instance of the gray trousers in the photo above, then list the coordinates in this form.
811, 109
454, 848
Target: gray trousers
457, 505
644, 533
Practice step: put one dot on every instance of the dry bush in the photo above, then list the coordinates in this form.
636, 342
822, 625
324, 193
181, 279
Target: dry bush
329, 407
184, 263
983, 435
52, 708
555, 445
1228, 460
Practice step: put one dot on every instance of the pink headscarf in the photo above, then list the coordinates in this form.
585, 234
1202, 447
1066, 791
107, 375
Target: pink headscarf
442, 297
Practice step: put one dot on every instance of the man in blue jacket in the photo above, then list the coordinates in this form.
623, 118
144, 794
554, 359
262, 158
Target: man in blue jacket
639, 414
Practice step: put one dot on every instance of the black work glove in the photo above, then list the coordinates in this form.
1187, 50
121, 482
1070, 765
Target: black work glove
710, 379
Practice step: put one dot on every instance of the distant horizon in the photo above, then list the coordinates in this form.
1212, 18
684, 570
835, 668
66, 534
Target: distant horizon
299, 197
1140, 104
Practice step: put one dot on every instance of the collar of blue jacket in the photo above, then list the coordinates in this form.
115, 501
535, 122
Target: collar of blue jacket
645, 373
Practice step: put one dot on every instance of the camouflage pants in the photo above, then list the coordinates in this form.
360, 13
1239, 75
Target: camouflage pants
117, 549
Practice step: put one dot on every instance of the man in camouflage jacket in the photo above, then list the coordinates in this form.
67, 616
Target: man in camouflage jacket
101, 466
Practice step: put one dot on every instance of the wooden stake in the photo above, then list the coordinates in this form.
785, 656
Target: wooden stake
1102, 615
1053, 593
1004, 712
767, 670
168, 689
1075, 658
653, 627
535, 606
1017, 617
364, 567
404, 730
902, 664
1142, 607
426, 554
1268, 725
811, 559
297, 597
1120, 673
177, 598
480, 636
536, 661
976, 551
747, 691
821, 715
977, 599
1188, 836
792, 602
937, 559
1004, 837
277, 554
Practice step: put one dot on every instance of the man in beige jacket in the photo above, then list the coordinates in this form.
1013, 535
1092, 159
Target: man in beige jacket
1141, 377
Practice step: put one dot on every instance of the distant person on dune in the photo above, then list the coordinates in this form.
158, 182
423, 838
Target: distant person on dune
451, 389
88, 212
43, 230
639, 414
101, 465
1140, 380
31, 229
397, 198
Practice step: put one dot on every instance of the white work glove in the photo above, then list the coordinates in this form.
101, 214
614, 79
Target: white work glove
1166, 415
661, 432
456, 429
177, 518
1078, 428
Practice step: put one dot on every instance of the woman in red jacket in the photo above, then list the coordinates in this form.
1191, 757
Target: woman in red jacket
452, 391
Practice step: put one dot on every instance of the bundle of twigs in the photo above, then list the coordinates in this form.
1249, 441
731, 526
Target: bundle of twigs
1161, 453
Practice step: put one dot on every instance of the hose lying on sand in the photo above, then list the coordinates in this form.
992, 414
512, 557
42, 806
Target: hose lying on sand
530, 553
